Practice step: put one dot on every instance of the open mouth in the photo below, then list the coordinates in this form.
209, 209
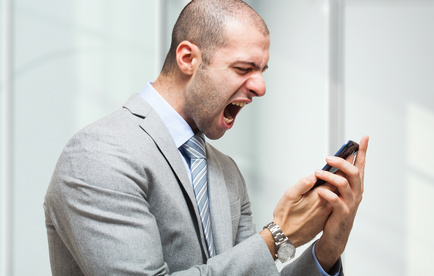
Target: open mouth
231, 111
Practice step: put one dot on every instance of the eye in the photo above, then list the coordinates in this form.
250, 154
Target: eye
243, 70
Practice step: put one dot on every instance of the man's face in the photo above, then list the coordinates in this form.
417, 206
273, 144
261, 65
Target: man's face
217, 92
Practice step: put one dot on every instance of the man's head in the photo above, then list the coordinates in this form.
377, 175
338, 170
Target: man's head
204, 23
220, 49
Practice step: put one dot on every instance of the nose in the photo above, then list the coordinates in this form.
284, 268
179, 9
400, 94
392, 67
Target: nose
256, 85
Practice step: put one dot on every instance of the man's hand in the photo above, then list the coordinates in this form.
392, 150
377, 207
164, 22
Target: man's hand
348, 183
300, 213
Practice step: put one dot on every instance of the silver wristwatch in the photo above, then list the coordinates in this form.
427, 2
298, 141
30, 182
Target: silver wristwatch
285, 249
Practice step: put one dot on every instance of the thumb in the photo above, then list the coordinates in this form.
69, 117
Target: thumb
303, 186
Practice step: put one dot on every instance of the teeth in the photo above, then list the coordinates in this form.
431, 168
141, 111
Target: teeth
240, 104
228, 121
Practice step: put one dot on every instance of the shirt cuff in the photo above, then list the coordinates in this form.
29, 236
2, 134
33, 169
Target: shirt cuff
336, 270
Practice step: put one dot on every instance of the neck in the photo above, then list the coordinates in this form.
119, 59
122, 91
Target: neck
172, 89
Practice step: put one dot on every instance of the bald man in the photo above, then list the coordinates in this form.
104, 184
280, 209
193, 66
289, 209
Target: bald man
124, 197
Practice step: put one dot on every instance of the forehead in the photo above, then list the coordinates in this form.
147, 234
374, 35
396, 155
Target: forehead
244, 42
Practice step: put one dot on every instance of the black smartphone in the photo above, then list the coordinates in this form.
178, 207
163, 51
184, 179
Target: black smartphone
348, 148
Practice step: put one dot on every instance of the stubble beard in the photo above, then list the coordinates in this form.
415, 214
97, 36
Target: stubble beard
203, 106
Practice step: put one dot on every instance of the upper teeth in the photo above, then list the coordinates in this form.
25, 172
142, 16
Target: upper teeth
229, 118
241, 104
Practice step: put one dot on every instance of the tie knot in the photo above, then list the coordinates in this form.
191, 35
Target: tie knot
195, 147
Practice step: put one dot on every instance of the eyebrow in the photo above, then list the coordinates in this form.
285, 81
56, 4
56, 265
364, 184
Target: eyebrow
252, 64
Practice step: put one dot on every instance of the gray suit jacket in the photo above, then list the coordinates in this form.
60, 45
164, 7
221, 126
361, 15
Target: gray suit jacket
120, 203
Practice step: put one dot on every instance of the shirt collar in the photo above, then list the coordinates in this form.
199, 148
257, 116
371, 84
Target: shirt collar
177, 126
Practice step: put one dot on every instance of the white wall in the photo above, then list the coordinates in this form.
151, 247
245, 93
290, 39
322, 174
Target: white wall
385, 70
75, 61
389, 85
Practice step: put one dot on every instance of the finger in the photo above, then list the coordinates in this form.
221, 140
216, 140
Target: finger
361, 155
332, 198
358, 162
361, 159
329, 187
338, 181
347, 170
302, 186
341, 164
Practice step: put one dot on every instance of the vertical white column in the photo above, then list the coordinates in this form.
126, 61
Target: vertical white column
160, 35
6, 147
336, 95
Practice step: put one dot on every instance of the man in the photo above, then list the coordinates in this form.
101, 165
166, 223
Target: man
123, 199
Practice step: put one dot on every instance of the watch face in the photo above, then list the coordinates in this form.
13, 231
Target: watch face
286, 252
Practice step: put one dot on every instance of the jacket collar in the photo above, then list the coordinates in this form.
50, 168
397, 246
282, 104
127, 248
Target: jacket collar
157, 130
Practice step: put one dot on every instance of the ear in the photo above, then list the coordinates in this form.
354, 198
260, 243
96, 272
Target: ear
188, 57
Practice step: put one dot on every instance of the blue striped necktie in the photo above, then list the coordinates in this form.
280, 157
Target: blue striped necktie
195, 149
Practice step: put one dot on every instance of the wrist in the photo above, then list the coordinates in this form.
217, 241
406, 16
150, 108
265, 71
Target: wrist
285, 250
269, 240
326, 256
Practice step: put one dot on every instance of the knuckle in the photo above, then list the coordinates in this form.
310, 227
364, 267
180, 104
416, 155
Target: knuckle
346, 211
354, 171
335, 199
287, 194
306, 181
328, 208
341, 182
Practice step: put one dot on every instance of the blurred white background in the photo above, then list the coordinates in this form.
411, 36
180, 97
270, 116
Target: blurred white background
339, 70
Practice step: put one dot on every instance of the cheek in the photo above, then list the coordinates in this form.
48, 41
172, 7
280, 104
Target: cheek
209, 96
211, 108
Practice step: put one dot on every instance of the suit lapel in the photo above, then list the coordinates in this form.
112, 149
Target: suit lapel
156, 129
168, 148
219, 204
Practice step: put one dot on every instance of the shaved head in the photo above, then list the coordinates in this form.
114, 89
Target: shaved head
204, 22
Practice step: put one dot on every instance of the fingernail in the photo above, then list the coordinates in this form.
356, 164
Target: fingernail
318, 171
331, 158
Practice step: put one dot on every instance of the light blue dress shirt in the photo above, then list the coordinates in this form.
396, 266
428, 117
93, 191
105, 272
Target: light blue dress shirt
181, 131
321, 270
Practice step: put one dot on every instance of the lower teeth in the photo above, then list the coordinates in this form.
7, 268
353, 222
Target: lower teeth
228, 121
